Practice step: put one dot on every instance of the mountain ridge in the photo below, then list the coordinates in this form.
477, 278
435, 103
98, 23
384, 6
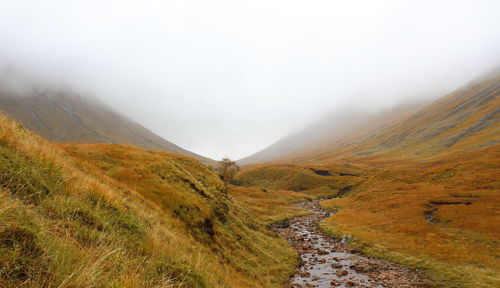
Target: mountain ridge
451, 121
62, 115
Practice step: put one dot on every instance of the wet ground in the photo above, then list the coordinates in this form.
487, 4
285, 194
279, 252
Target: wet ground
327, 262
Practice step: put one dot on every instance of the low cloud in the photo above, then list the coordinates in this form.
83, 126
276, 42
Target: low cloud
227, 78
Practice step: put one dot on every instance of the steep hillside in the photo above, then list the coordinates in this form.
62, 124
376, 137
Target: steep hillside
466, 119
64, 116
113, 215
341, 125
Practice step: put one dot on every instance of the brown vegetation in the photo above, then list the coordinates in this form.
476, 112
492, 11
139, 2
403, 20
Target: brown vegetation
118, 216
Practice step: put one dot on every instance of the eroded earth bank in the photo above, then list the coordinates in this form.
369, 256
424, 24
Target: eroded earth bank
327, 262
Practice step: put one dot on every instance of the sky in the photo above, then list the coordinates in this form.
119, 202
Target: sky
229, 78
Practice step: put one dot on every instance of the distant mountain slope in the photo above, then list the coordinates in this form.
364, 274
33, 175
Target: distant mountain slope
64, 116
465, 119
340, 125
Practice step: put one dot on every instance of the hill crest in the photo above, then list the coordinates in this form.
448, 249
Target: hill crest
62, 115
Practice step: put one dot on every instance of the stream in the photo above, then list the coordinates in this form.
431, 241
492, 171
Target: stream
326, 262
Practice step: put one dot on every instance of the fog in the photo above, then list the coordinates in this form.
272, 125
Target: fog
229, 78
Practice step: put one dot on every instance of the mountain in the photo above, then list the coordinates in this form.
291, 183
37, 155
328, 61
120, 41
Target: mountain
464, 119
340, 125
62, 115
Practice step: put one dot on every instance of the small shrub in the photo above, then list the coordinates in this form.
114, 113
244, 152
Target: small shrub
228, 169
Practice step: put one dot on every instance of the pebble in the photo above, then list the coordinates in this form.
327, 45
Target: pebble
330, 263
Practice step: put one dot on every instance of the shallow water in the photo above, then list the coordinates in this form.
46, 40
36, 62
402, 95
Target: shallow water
327, 262
321, 262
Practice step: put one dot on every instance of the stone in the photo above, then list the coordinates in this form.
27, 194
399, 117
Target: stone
341, 273
336, 265
305, 274
350, 284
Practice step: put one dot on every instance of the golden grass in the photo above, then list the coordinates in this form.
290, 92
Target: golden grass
120, 216
301, 178
386, 215
386, 205
269, 207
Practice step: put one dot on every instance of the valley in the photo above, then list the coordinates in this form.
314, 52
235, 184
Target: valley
427, 216
249, 144
413, 203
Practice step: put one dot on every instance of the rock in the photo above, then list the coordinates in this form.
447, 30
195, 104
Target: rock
335, 283
341, 273
336, 265
350, 284
323, 252
315, 278
305, 274
361, 268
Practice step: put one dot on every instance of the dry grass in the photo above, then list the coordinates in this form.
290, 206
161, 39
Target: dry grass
303, 179
119, 216
459, 246
266, 206
387, 205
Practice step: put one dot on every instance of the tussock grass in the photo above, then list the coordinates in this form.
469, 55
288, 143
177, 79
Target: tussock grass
269, 206
387, 215
120, 216
300, 179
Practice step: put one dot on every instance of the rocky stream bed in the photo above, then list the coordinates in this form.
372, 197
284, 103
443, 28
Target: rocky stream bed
327, 262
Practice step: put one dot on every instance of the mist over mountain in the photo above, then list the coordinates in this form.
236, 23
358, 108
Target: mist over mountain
237, 76
465, 119
63, 115
342, 124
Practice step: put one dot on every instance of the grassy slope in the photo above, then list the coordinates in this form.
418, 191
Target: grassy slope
385, 206
269, 207
64, 116
269, 192
300, 178
459, 247
448, 152
120, 216
466, 119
